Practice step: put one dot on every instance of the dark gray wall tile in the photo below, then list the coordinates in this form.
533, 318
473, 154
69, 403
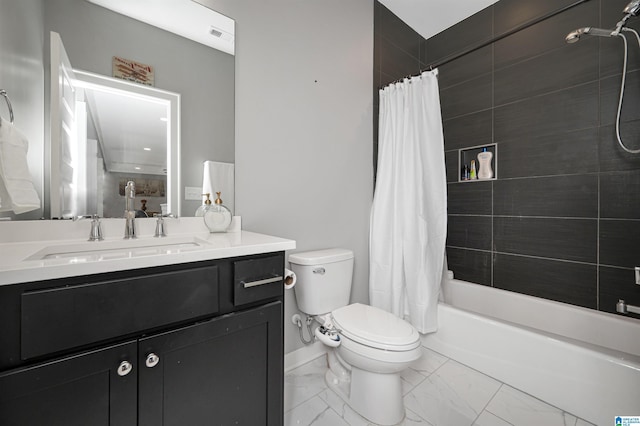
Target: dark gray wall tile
619, 242
556, 147
470, 265
610, 95
568, 66
466, 68
469, 198
542, 37
470, 32
468, 130
469, 232
564, 153
558, 196
562, 281
620, 195
424, 58
509, 14
395, 31
377, 62
616, 284
571, 109
395, 62
611, 156
468, 97
451, 162
567, 239
612, 54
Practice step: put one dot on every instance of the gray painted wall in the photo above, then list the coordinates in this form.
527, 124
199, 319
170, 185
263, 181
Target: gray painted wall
304, 126
203, 76
22, 76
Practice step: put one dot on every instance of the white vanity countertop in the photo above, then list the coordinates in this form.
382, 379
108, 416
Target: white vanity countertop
31, 260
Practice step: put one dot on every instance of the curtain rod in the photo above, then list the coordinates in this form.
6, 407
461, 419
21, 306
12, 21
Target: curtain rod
472, 49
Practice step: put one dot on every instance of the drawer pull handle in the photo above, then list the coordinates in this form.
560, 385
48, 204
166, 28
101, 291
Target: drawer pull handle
124, 368
260, 282
152, 360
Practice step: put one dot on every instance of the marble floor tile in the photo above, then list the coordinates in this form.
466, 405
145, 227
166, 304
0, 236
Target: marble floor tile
410, 379
488, 419
429, 362
521, 409
454, 395
304, 382
314, 412
580, 422
438, 392
352, 418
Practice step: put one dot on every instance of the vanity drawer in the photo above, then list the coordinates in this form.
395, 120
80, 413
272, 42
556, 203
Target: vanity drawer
258, 279
61, 318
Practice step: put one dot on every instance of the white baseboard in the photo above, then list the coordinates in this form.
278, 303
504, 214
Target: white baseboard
303, 355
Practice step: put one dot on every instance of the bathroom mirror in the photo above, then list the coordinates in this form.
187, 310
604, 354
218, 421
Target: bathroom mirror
203, 78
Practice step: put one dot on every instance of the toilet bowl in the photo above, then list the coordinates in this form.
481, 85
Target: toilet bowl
372, 346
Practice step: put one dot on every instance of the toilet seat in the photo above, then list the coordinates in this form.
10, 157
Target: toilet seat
375, 328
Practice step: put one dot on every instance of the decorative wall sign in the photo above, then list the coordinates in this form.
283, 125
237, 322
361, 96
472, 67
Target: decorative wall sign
127, 69
144, 187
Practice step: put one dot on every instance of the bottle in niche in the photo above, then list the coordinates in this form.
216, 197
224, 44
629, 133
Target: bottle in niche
484, 161
464, 173
472, 172
217, 217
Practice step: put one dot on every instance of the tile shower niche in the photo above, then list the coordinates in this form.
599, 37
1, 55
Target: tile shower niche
466, 155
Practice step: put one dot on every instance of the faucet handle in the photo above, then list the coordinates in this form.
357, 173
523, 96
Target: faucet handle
96, 229
159, 226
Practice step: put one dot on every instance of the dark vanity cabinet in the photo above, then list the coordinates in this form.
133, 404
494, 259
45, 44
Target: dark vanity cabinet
190, 344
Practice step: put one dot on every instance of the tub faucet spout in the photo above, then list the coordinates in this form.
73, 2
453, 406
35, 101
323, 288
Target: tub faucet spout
623, 308
129, 210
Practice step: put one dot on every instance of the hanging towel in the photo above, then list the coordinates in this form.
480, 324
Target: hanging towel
219, 177
17, 192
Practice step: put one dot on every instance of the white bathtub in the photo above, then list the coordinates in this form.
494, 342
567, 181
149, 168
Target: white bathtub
584, 362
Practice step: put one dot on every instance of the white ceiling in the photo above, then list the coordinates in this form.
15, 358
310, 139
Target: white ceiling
429, 17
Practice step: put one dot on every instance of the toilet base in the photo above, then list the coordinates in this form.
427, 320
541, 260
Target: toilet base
376, 397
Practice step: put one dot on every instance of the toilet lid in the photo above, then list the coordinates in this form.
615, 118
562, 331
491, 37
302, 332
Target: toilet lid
376, 328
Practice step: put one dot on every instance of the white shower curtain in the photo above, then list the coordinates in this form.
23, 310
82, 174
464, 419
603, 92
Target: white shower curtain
409, 214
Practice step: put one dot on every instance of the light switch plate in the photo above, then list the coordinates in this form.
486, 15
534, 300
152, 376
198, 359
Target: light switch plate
193, 193
638, 275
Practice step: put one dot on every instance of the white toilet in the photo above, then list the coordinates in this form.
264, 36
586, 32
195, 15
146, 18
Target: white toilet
373, 346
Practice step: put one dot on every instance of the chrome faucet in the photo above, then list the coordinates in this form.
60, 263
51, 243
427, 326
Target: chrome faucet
129, 210
159, 226
96, 228
623, 308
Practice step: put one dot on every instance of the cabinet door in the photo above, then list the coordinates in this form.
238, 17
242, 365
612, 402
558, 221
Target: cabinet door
226, 371
83, 390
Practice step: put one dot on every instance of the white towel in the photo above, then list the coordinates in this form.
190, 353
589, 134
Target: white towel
16, 187
219, 177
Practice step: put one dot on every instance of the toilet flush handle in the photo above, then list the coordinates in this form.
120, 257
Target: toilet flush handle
319, 270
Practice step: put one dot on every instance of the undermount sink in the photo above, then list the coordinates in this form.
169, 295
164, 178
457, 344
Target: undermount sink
91, 251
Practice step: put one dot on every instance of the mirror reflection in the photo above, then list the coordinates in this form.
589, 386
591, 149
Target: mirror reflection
127, 137
93, 35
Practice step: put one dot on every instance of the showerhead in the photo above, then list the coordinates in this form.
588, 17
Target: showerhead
574, 36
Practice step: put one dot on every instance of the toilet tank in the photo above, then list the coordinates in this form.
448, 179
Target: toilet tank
323, 279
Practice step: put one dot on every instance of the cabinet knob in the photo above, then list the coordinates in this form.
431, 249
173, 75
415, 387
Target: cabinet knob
124, 368
152, 360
